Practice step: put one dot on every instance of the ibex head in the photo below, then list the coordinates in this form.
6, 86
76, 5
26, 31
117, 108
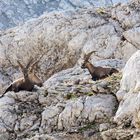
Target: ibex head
29, 72
86, 60
35, 79
25, 70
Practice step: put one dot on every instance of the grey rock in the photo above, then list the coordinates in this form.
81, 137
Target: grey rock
4, 136
78, 111
104, 126
17, 12
67, 99
132, 36
129, 93
75, 32
117, 133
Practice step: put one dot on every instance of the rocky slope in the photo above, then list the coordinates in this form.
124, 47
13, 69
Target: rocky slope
70, 105
16, 12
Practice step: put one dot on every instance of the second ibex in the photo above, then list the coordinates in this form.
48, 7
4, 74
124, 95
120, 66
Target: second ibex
97, 72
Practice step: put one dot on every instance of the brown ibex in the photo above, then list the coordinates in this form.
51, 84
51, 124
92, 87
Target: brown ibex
97, 72
28, 80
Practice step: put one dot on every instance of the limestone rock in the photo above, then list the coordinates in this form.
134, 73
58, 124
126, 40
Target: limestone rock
62, 38
17, 12
79, 111
132, 36
128, 94
127, 15
117, 134
69, 99
58, 136
20, 113
131, 71
4, 136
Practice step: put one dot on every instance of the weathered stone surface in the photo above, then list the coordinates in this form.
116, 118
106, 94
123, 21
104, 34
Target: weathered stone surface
118, 134
79, 111
127, 49
17, 12
75, 82
4, 136
69, 100
20, 114
127, 15
58, 136
60, 42
127, 113
132, 36
30, 114
131, 80
63, 38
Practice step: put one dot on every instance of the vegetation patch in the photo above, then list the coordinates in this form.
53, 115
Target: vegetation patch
89, 126
114, 82
70, 96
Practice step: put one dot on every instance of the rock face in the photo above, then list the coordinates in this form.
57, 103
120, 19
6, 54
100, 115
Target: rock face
17, 12
62, 38
127, 115
129, 91
85, 110
62, 109
70, 105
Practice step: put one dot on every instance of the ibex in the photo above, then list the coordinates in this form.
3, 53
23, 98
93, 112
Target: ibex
97, 72
28, 80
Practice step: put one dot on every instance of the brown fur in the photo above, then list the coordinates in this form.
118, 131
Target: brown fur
28, 80
36, 80
97, 72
